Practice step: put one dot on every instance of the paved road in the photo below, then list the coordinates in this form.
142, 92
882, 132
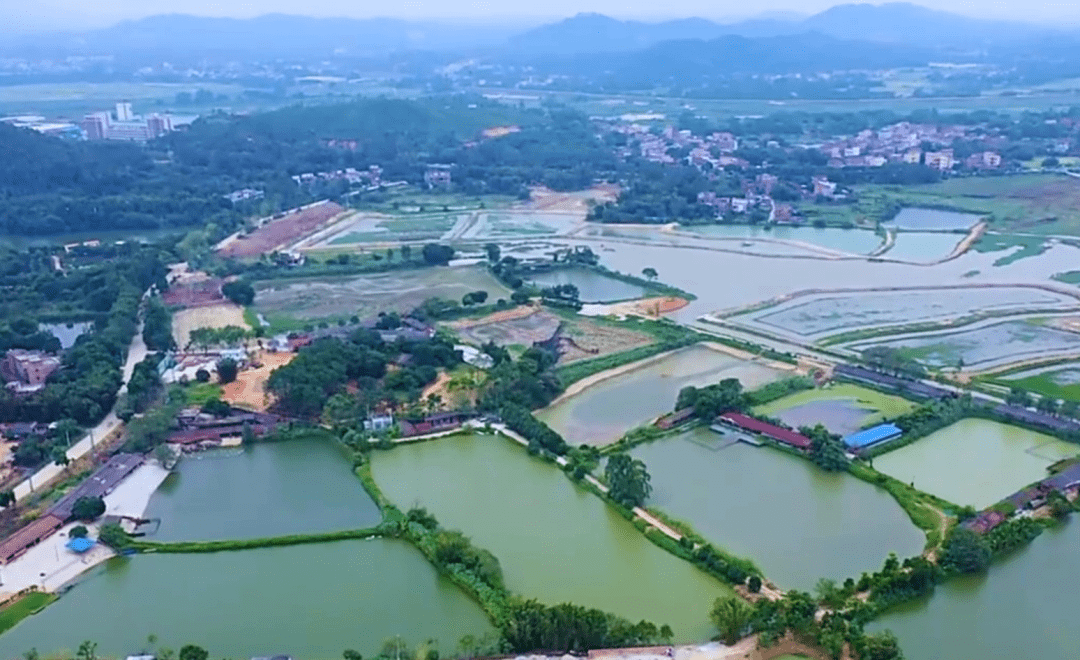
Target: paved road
136, 352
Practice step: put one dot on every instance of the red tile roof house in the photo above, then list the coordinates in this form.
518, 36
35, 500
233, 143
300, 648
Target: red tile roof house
771, 431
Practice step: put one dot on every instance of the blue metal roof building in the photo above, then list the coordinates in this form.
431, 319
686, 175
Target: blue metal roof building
872, 436
80, 545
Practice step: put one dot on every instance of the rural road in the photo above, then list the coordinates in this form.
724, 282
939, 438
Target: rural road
136, 352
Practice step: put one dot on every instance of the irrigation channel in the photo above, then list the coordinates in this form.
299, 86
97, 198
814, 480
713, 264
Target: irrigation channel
555, 541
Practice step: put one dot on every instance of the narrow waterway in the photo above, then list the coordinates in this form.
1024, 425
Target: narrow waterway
556, 542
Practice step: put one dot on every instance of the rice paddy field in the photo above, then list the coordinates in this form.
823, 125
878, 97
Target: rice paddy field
816, 316
1061, 381
842, 408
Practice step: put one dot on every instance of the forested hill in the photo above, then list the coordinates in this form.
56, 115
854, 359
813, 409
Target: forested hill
49, 186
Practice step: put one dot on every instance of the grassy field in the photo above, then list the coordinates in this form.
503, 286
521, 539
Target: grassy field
1044, 384
1032, 203
31, 603
886, 406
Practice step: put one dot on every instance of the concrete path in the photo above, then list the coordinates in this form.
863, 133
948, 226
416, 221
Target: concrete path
136, 352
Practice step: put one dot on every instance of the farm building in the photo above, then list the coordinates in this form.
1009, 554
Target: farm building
772, 431
29, 536
872, 436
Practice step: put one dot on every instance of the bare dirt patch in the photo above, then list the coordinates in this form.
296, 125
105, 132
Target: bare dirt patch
249, 389
522, 326
543, 199
208, 316
646, 307
586, 339
280, 232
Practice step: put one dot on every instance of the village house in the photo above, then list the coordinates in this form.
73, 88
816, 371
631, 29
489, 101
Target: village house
26, 371
437, 176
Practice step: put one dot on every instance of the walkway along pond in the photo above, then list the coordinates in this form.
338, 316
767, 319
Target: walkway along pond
556, 541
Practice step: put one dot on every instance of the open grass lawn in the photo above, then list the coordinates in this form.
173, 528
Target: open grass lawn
31, 603
1061, 383
1033, 203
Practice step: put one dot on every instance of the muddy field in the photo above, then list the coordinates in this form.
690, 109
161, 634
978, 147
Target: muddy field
365, 296
249, 389
281, 232
579, 339
207, 316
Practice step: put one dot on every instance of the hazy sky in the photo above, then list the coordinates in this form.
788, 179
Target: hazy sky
19, 15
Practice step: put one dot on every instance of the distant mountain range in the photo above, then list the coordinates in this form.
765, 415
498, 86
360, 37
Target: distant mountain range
282, 36
898, 23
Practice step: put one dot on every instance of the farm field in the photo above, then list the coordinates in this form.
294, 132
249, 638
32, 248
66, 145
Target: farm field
842, 408
280, 232
975, 461
1060, 381
817, 315
209, 316
985, 345
295, 302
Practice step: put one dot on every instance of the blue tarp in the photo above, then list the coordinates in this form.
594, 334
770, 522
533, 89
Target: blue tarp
80, 545
872, 436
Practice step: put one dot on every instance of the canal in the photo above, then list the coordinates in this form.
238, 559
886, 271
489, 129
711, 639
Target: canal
556, 542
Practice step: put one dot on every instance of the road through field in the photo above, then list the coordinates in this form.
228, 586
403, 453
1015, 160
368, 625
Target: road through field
136, 352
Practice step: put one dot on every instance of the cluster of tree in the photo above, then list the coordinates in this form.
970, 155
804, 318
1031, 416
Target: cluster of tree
24, 333
933, 415
88, 509
36, 450
157, 326
143, 387
897, 582
712, 400
227, 336
728, 567
826, 449
628, 480
85, 386
540, 436
437, 254
322, 369
528, 382
893, 361
239, 291
561, 295
1013, 534
474, 298
1044, 404
568, 628
965, 552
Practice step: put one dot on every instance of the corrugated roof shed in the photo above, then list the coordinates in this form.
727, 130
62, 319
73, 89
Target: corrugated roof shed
778, 433
872, 436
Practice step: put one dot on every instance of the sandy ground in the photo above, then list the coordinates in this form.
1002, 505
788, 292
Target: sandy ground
50, 565
249, 388
211, 316
543, 199
647, 307
496, 317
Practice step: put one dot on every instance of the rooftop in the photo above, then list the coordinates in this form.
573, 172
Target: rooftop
872, 436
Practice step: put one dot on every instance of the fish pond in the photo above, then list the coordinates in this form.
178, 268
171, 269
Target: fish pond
67, 333
986, 345
262, 490
921, 219
975, 461
819, 315
603, 412
843, 408
593, 287
852, 241
1024, 607
797, 522
556, 542
309, 601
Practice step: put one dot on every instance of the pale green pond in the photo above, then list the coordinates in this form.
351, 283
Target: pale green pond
1025, 607
556, 542
975, 461
797, 522
309, 601
268, 489
602, 413
593, 287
